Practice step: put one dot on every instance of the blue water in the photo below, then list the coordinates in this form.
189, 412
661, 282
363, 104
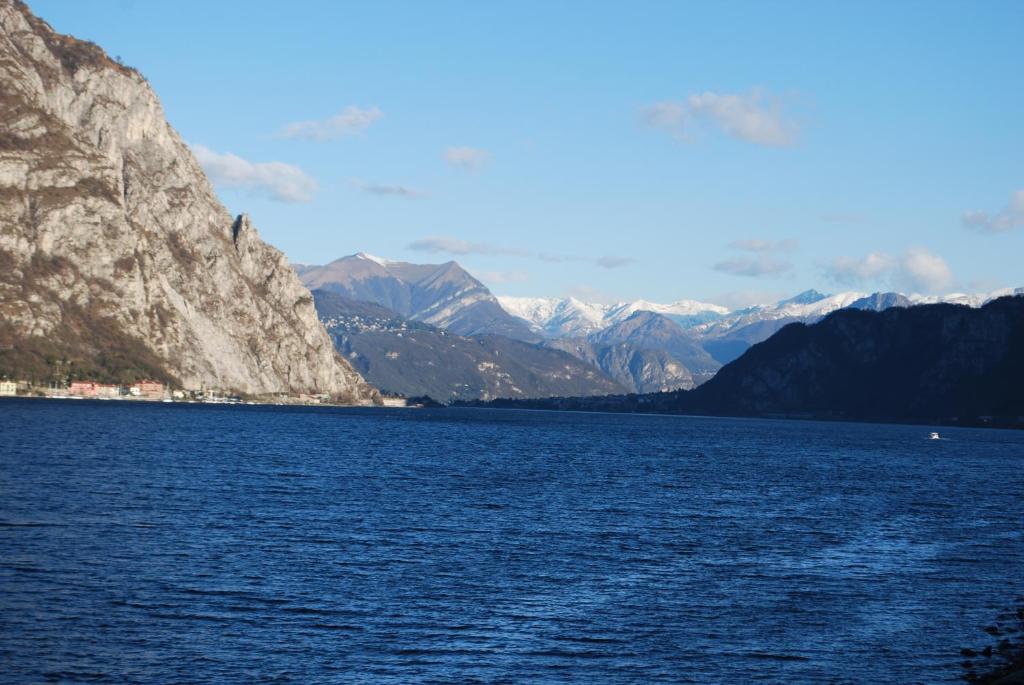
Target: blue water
173, 543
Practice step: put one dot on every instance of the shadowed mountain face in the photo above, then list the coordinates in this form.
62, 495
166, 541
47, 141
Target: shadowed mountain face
443, 295
415, 359
926, 361
117, 261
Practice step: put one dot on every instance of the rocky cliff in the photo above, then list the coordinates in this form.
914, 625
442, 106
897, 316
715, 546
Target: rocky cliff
116, 258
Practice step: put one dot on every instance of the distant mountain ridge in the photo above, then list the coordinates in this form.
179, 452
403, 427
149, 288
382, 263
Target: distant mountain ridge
413, 358
571, 317
643, 346
935, 362
442, 295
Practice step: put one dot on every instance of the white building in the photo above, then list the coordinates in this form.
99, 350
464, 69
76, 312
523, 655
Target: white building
8, 388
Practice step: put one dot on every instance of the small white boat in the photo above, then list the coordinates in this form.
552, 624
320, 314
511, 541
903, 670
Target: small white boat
934, 436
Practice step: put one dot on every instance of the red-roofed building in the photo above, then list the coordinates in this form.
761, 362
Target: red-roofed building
151, 390
93, 389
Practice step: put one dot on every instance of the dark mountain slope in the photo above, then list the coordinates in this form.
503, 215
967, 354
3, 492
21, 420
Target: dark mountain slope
929, 361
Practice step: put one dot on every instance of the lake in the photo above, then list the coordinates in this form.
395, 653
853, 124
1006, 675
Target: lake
160, 543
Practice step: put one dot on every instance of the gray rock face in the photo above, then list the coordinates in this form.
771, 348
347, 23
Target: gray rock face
652, 331
637, 369
111, 237
878, 302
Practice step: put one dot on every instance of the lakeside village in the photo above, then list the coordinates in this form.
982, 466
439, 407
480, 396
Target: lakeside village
156, 391
148, 390
144, 390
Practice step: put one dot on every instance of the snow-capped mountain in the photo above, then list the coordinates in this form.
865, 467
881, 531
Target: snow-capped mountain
808, 305
570, 317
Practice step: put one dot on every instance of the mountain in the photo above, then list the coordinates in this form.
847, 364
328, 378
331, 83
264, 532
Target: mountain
728, 337
928, 361
443, 295
935, 363
635, 369
570, 317
413, 358
880, 301
116, 259
646, 330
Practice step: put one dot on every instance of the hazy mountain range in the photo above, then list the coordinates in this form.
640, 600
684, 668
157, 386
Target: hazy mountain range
935, 362
640, 346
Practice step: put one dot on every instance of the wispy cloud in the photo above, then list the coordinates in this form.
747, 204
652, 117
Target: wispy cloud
348, 121
614, 261
1011, 217
917, 270
385, 189
754, 267
755, 117
279, 181
758, 245
455, 246
469, 158
461, 248
501, 277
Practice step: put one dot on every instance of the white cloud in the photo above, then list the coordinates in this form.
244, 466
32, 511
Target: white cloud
852, 271
757, 245
470, 158
755, 267
384, 189
754, 117
922, 270
916, 270
283, 182
347, 122
1010, 218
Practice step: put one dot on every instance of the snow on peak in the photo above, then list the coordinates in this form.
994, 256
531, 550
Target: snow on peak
573, 317
372, 258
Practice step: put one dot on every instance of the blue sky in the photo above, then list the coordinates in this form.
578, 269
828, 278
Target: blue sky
721, 151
